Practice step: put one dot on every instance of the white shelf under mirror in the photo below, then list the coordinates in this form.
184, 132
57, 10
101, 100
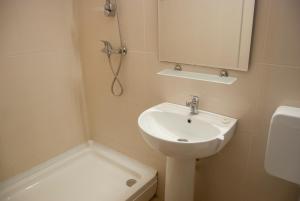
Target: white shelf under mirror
198, 76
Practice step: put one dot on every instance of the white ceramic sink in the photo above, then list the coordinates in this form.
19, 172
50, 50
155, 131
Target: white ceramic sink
172, 130
182, 137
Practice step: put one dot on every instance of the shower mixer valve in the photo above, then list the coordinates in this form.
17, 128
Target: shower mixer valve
109, 50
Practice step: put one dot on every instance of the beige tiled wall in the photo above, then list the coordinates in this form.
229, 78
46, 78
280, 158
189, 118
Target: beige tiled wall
40, 83
235, 174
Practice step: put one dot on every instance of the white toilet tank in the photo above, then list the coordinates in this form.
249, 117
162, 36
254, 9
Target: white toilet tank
283, 149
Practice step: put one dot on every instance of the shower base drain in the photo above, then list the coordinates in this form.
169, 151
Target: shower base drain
182, 140
130, 182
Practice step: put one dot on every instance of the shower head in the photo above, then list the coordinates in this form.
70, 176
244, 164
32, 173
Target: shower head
110, 8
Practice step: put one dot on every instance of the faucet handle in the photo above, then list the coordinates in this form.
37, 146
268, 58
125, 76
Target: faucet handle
188, 103
194, 100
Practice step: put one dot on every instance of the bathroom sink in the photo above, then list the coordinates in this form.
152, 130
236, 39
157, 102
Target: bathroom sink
184, 134
172, 130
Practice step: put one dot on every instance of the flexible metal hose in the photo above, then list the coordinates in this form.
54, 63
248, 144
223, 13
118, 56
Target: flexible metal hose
116, 74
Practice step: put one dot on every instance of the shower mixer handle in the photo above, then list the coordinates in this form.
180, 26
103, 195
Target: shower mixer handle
107, 47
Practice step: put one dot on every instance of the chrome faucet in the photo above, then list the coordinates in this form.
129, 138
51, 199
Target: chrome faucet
193, 104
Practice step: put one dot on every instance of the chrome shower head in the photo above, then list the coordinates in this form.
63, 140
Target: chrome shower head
110, 8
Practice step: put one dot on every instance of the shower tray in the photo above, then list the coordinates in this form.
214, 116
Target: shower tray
88, 172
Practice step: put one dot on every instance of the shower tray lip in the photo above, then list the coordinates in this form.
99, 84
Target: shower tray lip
146, 176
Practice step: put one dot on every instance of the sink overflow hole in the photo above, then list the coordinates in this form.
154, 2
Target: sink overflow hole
182, 140
130, 182
189, 121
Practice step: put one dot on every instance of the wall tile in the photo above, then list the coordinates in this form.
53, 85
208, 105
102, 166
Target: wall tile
9, 26
151, 25
132, 21
41, 104
41, 26
282, 45
260, 29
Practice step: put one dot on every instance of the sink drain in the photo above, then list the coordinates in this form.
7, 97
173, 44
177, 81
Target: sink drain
182, 140
130, 182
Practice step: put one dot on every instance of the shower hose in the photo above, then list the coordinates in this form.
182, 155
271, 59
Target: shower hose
116, 80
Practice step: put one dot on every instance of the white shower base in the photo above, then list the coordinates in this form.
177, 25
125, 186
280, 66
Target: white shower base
89, 172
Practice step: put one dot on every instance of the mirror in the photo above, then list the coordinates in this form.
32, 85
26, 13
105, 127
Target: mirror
213, 33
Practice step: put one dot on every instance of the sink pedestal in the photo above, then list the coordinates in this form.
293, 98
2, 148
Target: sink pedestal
180, 177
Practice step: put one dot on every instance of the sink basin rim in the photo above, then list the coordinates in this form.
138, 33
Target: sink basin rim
223, 130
